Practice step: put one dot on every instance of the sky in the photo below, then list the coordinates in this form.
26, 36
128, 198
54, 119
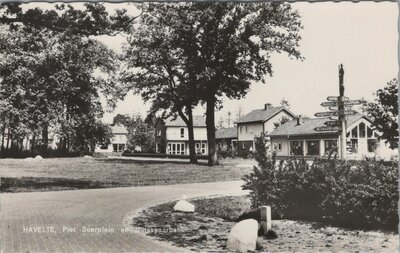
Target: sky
361, 36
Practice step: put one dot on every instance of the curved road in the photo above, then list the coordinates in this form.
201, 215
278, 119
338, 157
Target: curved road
54, 221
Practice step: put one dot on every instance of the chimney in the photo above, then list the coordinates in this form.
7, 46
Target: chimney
299, 120
267, 106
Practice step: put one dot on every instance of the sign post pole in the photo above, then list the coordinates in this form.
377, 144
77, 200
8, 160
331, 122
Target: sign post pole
342, 116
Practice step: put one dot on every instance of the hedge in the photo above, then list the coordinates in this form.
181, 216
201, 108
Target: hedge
362, 194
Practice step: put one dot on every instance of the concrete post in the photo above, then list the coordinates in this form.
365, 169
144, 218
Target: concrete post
265, 218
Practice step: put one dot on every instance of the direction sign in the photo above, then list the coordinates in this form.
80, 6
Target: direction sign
325, 114
334, 113
353, 102
326, 128
334, 118
332, 123
335, 98
346, 112
328, 104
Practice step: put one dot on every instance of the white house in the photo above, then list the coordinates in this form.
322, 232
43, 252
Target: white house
172, 136
117, 144
256, 122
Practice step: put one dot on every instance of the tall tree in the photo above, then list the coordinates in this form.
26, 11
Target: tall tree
51, 77
228, 46
158, 69
384, 113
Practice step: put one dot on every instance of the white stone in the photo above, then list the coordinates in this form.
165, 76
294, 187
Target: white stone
87, 157
184, 206
243, 236
38, 157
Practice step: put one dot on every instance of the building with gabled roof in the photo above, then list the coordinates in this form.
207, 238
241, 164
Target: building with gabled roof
256, 122
118, 142
172, 136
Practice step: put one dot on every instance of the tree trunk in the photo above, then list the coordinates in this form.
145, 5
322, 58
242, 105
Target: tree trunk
33, 144
8, 139
45, 137
3, 132
189, 123
210, 122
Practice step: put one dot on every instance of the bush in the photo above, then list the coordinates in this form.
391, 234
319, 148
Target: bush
348, 193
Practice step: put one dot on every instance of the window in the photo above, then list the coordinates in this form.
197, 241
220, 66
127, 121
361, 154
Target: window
103, 146
182, 132
203, 148
352, 146
241, 129
157, 147
331, 147
277, 146
313, 147
182, 148
173, 148
169, 149
296, 148
354, 132
247, 129
198, 151
361, 127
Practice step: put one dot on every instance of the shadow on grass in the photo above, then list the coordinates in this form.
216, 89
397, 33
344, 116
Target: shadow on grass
144, 162
30, 184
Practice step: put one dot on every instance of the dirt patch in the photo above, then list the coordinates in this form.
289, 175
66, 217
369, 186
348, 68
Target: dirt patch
208, 229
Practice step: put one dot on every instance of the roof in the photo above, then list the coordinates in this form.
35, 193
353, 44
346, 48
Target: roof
262, 114
118, 129
226, 133
198, 121
308, 125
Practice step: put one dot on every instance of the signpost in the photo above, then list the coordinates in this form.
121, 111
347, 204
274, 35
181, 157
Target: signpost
339, 106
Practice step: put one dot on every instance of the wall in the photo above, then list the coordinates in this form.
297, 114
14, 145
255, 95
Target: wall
119, 138
285, 146
269, 124
174, 133
254, 130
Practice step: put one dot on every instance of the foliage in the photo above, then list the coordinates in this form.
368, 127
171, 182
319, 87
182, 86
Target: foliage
219, 48
384, 112
282, 121
352, 193
157, 68
93, 19
48, 81
140, 132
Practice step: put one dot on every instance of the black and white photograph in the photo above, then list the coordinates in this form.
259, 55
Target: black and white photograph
199, 126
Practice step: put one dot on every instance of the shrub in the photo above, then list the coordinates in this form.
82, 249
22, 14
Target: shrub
348, 193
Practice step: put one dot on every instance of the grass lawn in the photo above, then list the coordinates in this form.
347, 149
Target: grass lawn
19, 175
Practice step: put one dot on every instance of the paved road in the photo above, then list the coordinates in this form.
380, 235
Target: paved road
33, 222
